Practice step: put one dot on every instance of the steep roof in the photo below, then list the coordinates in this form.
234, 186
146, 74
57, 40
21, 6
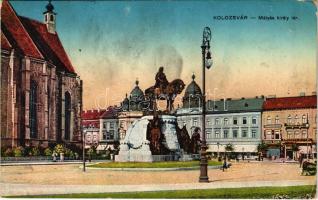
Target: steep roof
31, 38
22, 40
193, 89
92, 114
49, 44
290, 103
5, 44
110, 113
235, 105
136, 94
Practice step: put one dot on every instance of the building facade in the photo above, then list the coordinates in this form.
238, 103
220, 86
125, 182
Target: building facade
236, 122
109, 128
91, 126
228, 121
41, 94
131, 109
289, 126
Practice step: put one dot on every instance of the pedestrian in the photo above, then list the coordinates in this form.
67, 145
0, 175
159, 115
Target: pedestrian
262, 157
224, 164
54, 156
301, 157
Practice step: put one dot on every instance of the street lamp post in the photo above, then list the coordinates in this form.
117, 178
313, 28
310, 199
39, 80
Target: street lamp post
307, 125
84, 144
206, 62
218, 150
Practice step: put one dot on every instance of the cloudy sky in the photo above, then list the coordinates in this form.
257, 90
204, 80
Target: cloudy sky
113, 43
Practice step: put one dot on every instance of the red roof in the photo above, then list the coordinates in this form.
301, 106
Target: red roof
49, 44
21, 38
94, 124
5, 44
111, 113
32, 38
92, 114
290, 103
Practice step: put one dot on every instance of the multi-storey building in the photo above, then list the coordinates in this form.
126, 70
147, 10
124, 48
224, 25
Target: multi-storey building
91, 125
40, 91
228, 121
290, 123
131, 109
109, 130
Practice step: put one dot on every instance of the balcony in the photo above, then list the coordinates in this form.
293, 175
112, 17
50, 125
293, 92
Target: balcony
296, 126
304, 140
278, 126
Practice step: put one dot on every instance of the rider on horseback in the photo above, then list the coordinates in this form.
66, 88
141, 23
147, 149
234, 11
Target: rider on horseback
161, 80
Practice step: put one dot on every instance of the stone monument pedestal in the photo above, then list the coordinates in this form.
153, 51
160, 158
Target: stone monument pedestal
136, 148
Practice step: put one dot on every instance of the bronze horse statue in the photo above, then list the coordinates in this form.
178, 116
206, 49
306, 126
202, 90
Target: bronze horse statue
168, 93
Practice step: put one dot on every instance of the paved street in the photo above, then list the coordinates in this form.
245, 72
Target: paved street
54, 179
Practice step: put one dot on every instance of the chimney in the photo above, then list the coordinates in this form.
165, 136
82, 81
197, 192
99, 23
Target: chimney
50, 18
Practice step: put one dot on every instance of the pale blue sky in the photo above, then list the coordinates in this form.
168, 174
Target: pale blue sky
121, 41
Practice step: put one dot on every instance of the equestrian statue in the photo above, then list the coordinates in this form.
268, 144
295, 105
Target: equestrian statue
165, 90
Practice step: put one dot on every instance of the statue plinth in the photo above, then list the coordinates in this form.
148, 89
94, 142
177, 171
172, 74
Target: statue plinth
136, 148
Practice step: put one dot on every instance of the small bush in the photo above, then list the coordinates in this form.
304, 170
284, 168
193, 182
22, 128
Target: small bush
59, 149
35, 151
18, 151
48, 152
8, 152
28, 151
309, 168
67, 152
71, 155
3, 150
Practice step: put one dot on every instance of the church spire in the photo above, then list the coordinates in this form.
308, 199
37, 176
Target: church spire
50, 18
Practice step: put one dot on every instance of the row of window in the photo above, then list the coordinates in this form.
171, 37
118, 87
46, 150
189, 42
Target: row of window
228, 134
111, 125
290, 134
91, 139
225, 121
289, 119
297, 134
109, 135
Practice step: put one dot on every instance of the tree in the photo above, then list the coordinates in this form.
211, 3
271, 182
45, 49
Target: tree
261, 149
229, 148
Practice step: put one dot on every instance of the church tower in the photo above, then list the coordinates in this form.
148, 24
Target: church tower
50, 18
